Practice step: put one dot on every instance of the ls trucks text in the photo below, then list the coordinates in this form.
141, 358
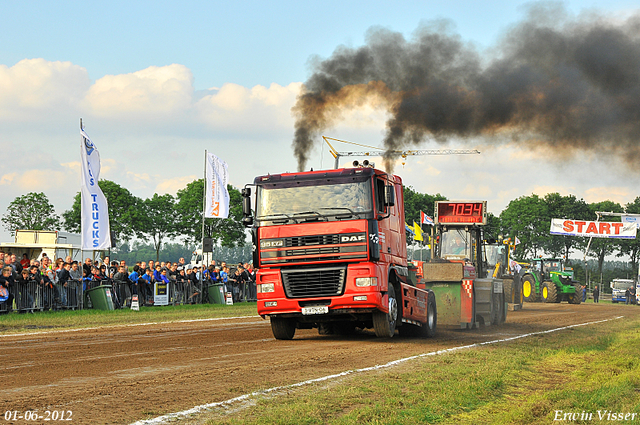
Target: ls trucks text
330, 248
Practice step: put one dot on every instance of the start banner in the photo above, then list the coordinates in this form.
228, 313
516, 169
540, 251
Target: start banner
595, 229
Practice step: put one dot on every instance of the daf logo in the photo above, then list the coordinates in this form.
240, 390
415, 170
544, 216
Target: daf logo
352, 238
271, 244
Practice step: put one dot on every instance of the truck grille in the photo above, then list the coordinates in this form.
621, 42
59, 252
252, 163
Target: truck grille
317, 282
314, 248
312, 240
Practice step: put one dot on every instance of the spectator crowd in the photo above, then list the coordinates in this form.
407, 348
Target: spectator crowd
56, 284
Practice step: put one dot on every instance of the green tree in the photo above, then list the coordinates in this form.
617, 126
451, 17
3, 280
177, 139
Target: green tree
124, 210
602, 247
526, 218
157, 220
492, 229
569, 206
227, 232
414, 202
631, 247
32, 211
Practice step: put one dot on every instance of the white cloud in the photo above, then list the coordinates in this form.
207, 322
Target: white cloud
173, 185
8, 178
34, 85
621, 195
249, 110
154, 92
43, 180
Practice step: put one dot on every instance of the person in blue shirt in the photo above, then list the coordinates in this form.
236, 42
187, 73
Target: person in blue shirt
134, 277
224, 277
156, 274
145, 286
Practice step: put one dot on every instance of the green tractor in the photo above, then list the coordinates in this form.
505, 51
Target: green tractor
546, 279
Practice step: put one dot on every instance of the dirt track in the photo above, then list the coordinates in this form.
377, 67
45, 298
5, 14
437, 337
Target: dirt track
123, 374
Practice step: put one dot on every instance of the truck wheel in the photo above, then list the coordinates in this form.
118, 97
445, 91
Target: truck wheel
429, 328
549, 292
529, 289
576, 298
384, 324
283, 328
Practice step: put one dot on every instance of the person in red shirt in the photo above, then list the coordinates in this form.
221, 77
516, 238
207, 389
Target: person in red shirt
25, 262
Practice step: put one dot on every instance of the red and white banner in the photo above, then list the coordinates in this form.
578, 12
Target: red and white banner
595, 229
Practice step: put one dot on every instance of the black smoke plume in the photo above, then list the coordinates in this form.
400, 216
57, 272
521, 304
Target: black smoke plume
553, 81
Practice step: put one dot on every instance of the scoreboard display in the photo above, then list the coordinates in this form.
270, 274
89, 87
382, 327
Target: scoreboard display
461, 212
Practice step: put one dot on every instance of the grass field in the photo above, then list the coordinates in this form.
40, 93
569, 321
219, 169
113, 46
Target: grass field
13, 322
532, 380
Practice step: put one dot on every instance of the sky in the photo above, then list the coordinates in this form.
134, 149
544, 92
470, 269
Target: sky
158, 83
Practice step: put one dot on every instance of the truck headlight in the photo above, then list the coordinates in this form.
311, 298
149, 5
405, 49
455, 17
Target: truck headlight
366, 281
265, 287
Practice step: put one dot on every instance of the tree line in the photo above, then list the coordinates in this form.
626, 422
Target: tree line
156, 220
165, 218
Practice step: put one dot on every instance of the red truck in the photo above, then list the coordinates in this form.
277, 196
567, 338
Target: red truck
330, 248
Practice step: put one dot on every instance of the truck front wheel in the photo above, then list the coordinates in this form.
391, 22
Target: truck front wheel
384, 324
283, 328
429, 328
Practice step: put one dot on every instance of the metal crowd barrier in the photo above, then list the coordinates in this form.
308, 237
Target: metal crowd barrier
33, 296
184, 292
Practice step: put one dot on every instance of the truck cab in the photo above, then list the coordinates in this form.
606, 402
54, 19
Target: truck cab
618, 289
331, 253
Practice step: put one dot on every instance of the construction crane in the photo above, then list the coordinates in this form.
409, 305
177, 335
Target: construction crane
403, 154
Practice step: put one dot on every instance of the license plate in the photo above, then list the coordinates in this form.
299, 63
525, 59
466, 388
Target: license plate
320, 309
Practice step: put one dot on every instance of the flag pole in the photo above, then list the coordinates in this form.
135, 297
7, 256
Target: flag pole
204, 210
204, 201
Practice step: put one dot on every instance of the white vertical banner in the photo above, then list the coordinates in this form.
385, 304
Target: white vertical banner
94, 209
217, 196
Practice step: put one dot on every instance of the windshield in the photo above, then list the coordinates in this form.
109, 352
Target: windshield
455, 244
552, 266
622, 285
495, 253
344, 199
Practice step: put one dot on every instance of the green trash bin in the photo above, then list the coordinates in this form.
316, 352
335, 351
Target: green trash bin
100, 297
216, 293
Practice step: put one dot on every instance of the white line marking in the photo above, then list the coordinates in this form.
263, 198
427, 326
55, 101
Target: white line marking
244, 397
127, 326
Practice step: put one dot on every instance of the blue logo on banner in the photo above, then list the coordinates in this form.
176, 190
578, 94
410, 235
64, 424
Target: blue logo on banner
88, 145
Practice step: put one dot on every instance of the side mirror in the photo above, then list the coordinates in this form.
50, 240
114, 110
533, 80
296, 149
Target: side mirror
389, 196
247, 218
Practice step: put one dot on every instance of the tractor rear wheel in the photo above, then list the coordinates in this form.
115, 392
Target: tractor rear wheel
529, 289
576, 298
507, 284
549, 292
384, 324
283, 328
